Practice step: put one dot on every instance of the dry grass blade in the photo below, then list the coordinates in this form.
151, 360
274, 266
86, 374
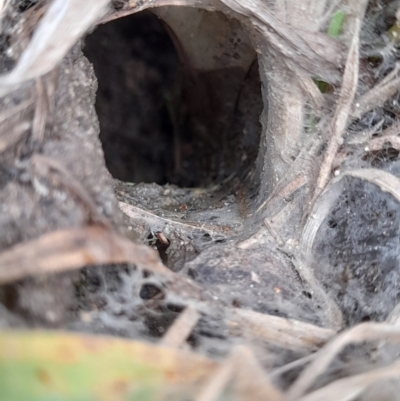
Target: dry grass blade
319, 213
11, 135
253, 241
281, 193
323, 358
23, 106
268, 223
311, 90
252, 383
339, 122
154, 220
73, 249
180, 330
215, 385
285, 333
63, 24
378, 95
291, 365
277, 218
12, 124
351, 387
332, 316
41, 110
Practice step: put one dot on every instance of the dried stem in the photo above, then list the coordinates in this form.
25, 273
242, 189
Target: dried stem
360, 333
340, 119
73, 249
180, 330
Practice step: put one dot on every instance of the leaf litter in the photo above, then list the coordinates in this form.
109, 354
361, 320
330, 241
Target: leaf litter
192, 309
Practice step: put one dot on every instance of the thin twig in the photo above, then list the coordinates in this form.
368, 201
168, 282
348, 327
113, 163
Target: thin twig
215, 385
41, 110
253, 241
273, 232
285, 333
135, 212
252, 383
280, 194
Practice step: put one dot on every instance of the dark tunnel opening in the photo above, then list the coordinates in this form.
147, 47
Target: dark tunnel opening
162, 119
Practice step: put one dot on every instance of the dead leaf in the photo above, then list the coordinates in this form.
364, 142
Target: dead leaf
42, 365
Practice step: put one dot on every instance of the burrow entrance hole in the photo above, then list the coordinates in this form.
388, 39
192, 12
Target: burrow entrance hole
175, 106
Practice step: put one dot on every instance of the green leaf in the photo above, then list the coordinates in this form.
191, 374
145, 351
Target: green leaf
46, 366
336, 24
324, 87
394, 33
